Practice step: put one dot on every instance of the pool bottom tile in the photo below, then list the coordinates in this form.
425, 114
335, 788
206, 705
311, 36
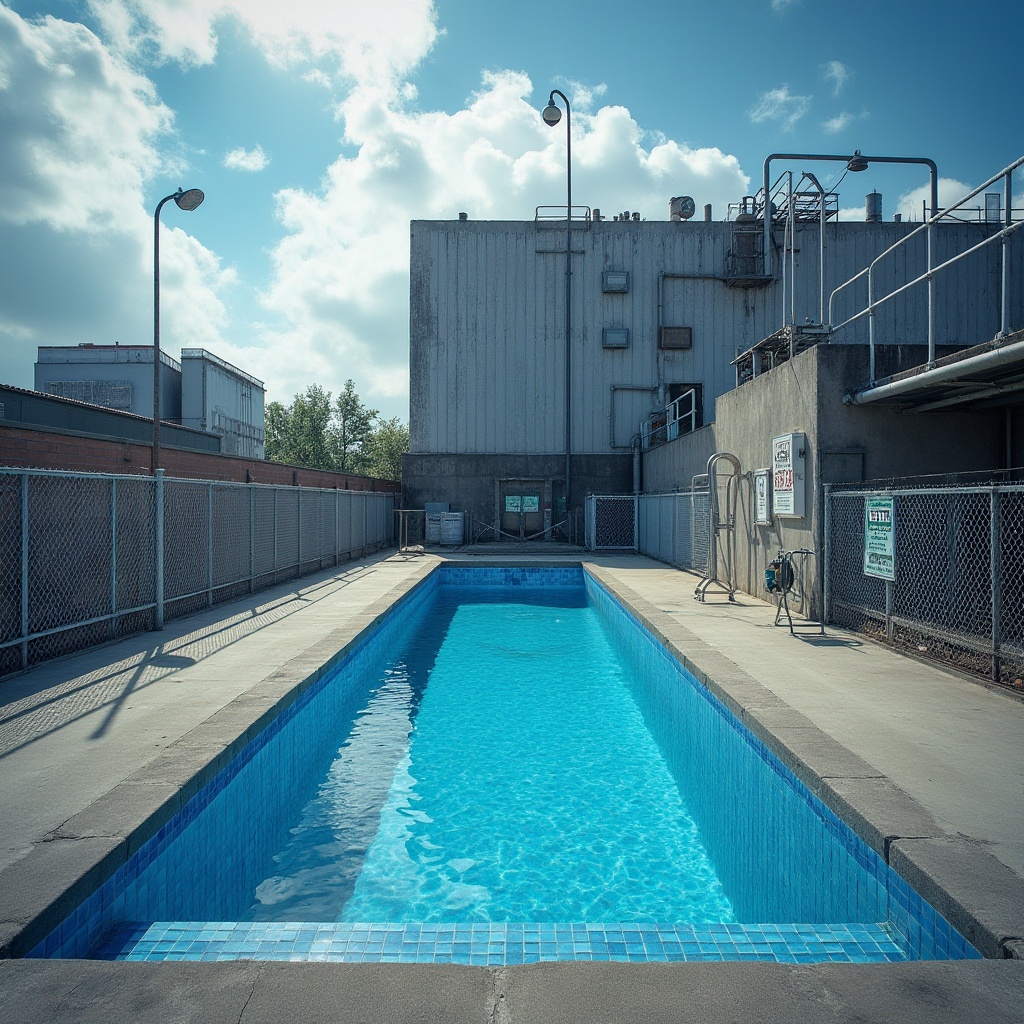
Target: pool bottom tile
500, 944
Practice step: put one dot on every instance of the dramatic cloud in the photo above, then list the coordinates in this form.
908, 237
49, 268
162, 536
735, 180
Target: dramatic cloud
80, 130
246, 159
836, 74
80, 144
781, 106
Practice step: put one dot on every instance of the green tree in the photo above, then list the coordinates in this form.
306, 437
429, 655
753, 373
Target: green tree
384, 449
351, 428
299, 433
276, 425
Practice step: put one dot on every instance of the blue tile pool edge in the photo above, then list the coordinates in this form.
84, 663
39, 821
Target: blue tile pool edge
501, 944
75, 935
924, 931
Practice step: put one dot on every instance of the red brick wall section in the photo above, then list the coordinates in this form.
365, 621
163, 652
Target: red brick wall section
22, 448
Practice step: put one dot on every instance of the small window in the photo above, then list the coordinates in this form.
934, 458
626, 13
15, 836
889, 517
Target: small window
615, 281
675, 337
615, 337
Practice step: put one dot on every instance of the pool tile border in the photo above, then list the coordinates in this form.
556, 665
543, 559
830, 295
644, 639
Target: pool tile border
502, 944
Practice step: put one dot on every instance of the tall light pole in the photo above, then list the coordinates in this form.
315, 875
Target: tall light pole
552, 115
186, 201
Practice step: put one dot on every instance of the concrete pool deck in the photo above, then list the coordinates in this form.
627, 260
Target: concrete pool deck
97, 749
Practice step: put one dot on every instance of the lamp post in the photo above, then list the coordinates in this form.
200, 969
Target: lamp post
186, 201
552, 115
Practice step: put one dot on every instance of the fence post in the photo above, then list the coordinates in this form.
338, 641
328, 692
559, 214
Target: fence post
24, 569
275, 534
252, 537
298, 517
113, 557
337, 526
158, 540
826, 554
996, 571
209, 545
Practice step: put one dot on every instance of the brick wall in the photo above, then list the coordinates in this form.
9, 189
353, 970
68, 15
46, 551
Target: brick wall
24, 448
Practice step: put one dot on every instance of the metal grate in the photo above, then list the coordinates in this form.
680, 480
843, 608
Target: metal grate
611, 522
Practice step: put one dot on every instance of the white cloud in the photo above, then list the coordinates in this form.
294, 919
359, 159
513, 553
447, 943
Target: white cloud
780, 105
81, 130
377, 41
913, 204
81, 143
246, 159
836, 124
782, 5
837, 74
340, 287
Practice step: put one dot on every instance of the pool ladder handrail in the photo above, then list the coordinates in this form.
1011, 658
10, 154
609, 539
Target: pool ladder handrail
721, 525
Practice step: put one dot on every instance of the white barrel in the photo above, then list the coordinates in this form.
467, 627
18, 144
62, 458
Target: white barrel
433, 531
452, 528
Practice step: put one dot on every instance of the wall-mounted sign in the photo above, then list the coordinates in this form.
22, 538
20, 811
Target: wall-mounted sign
531, 503
762, 497
880, 538
513, 503
788, 474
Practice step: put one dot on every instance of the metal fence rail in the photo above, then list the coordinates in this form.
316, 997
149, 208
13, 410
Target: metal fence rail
958, 593
676, 528
87, 558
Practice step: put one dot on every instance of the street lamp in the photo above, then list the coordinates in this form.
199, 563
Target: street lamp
187, 201
854, 163
552, 115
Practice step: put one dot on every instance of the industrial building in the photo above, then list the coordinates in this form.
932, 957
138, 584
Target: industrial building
203, 391
665, 317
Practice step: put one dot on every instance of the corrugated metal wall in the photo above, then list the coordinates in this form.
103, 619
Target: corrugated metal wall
487, 320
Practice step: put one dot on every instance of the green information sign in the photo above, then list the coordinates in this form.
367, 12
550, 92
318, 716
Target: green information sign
880, 538
513, 503
531, 503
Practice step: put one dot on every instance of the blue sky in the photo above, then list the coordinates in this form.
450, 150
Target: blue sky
319, 130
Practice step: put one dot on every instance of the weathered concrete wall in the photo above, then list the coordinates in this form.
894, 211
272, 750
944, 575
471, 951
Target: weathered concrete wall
844, 443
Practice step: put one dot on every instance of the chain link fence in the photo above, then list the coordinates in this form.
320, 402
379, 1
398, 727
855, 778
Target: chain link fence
958, 565
676, 528
611, 522
80, 561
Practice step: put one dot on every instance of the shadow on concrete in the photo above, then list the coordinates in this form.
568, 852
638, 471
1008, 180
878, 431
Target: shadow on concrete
33, 705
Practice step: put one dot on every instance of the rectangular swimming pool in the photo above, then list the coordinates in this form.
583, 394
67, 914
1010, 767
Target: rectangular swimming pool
509, 768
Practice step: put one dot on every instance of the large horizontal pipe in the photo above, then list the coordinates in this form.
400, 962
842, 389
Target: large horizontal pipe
973, 364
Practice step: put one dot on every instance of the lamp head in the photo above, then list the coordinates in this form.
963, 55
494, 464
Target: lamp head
189, 200
551, 114
857, 162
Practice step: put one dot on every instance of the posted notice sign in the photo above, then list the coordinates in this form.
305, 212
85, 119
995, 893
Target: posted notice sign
880, 538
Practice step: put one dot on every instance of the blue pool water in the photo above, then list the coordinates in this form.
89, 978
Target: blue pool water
508, 769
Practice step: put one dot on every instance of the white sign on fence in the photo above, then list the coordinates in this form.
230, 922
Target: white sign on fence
880, 538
